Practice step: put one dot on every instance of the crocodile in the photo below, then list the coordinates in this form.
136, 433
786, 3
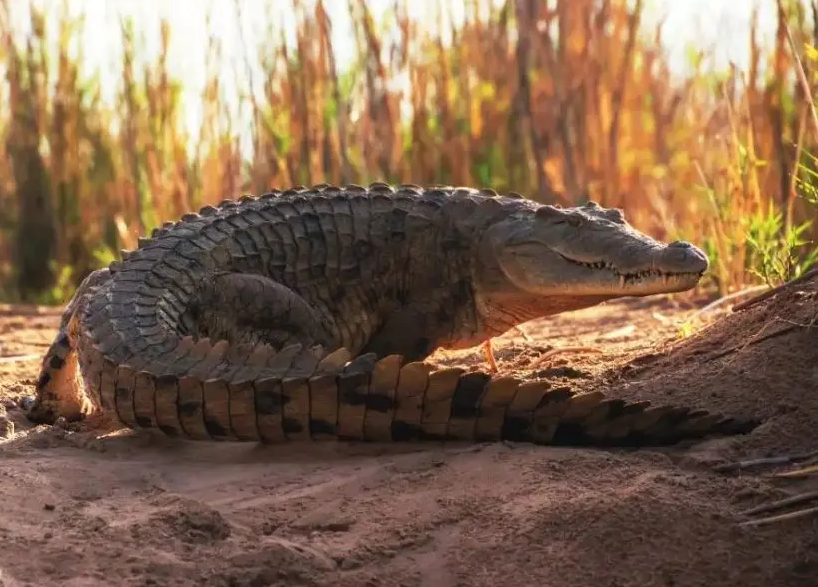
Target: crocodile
309, 313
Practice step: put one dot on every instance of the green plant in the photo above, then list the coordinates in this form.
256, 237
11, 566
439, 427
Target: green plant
779, 253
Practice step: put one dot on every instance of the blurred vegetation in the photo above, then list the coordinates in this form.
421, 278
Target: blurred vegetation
561, 100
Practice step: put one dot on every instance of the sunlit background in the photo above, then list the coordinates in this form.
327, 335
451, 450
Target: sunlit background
718, 27
118, 116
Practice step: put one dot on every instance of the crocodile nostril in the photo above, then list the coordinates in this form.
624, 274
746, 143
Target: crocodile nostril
680, 244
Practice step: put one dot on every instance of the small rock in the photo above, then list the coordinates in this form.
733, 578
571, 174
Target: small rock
338, 526
27, 402
347, 564
49, 507
786, 408
9, 404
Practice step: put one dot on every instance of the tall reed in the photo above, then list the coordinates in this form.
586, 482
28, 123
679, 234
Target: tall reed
562, 101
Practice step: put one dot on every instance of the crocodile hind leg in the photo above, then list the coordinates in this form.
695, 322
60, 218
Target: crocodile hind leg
59, 390
248, 308
240, 308
488, 349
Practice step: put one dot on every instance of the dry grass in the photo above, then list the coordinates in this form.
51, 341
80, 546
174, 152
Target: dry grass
594, 113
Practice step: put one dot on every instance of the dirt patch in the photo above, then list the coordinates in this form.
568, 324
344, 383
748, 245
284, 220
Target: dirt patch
146, 510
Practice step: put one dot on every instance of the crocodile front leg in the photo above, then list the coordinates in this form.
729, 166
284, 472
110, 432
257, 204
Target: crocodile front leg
250, 308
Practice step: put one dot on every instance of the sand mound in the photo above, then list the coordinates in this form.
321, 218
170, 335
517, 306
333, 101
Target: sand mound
761, 362
142, 510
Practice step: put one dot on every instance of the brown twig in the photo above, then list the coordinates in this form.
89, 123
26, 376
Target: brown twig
781, 503
766, 461
771, 292
728, 298
754, 341
782, 517
802, 76
572, 349
807, 471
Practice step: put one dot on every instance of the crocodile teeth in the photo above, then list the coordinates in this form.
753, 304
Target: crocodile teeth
621, 281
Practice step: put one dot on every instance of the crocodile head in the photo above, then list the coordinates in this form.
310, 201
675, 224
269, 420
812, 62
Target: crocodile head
545, 259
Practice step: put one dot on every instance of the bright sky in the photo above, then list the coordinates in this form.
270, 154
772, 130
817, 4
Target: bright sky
718, 25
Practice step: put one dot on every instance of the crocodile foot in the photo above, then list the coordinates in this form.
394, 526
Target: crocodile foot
488, 353
47, 409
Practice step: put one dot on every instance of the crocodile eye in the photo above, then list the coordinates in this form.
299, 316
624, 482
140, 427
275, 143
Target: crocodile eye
575, 220
615, 215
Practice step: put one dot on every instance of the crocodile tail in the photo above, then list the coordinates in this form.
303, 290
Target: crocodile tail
312, 396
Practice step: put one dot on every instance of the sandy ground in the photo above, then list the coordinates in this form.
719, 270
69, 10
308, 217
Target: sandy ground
146, 510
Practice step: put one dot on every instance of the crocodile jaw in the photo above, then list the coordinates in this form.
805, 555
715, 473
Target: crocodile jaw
655, 277
540, 271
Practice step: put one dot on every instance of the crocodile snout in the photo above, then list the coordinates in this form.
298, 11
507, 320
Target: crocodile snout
683, 257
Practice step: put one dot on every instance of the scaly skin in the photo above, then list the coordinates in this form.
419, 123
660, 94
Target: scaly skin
308, 313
